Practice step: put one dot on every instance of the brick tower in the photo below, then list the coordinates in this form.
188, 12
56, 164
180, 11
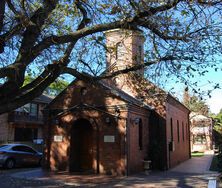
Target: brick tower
125, 49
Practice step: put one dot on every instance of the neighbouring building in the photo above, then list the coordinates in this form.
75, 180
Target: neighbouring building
24, 124
201, 128
111, 126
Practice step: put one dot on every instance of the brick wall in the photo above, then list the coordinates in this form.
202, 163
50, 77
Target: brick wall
180, 129
109, 157
136, 153
125, 50
4, 127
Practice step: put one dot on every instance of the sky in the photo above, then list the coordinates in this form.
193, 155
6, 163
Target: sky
215, 102
205, 83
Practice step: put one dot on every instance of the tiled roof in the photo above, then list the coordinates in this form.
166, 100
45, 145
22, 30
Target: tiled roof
123, 95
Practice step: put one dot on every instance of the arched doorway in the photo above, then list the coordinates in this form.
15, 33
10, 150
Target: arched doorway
81, 145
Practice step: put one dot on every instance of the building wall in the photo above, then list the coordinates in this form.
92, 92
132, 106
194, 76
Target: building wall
7, 129
201, 126
157, 139
136, 153
125, 50
110, 157
180, 129
113, 157
4, 127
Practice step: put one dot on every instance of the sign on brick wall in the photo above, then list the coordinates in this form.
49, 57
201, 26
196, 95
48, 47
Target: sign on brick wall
109, 138
58, 138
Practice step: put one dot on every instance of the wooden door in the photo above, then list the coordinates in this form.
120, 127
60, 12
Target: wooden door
81, 147
86, 149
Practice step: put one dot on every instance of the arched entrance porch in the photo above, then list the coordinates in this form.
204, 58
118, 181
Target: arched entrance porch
81, 146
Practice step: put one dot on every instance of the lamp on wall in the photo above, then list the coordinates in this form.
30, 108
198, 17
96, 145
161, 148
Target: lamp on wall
107, 120
135, 121
56, 121
117, 111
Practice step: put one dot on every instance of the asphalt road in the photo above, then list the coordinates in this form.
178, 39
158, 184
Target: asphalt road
155, 180
8, 181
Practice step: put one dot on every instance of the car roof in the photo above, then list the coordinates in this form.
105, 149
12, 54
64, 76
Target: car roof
12, 145
16, 144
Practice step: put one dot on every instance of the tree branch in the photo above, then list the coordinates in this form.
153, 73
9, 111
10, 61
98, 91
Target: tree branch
126, 70
16, 79
36, 87
154, 28
154, 10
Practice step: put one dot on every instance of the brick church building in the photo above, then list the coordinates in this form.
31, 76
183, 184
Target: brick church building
111, 126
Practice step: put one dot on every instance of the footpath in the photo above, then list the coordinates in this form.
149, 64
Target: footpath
191, 173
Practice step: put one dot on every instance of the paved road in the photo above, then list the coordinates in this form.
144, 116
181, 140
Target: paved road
190, 174
7, 180
154, 180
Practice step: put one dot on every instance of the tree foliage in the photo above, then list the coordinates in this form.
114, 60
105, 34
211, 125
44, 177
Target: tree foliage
217, 129
54, 37
217, 135
53, 89
195, 104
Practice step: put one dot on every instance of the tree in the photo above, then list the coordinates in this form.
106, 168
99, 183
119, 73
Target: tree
199, 106
195, 104
66, 36
218, 128
53, 89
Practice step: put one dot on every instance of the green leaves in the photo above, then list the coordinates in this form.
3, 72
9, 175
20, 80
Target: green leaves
195, 104
184, 13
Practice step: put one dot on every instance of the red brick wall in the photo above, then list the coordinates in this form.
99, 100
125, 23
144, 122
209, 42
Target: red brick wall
180, 118
111, 155
5, 129
136, 155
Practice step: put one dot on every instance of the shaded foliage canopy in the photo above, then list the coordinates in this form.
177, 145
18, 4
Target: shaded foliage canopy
54, 37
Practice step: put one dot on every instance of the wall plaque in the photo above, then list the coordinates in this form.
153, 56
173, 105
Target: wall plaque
58, 138
109, 138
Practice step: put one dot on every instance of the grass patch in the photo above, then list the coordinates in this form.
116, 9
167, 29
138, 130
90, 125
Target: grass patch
214, 164
197, 154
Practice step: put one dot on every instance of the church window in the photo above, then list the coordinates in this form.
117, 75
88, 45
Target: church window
120, 49
140, 135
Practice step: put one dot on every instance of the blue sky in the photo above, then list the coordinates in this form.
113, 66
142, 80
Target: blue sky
205, 83
215, 102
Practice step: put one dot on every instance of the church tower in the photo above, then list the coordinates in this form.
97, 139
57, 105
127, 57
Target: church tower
125, 49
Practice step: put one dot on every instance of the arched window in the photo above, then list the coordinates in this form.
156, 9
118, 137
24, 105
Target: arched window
139, 54
178, 131
171, 128
140, 135
183, 130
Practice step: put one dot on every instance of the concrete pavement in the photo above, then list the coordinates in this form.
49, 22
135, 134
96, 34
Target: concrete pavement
192, 173
200, 165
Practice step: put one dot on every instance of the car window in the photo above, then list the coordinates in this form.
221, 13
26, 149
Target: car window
23, 149
4, 146
17, 148
28, 149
